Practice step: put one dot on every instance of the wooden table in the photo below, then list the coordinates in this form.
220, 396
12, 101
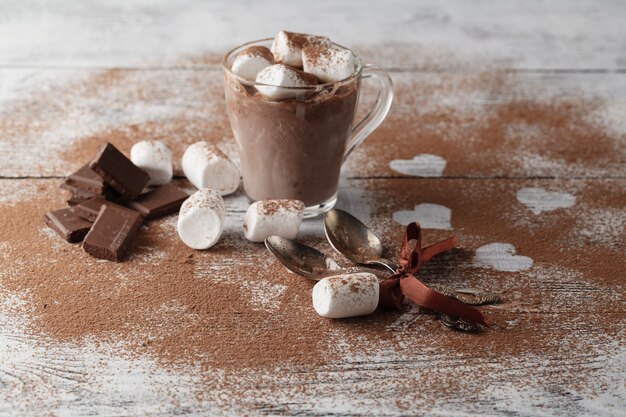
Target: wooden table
508, 129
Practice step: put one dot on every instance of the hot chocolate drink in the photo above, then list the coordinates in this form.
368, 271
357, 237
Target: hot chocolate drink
291, 149
293, 122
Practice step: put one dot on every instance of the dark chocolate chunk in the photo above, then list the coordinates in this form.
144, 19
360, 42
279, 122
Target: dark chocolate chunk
85, 179
67, 224
73, 200
161, 201
77, 195
119, 172
112, 232
89, 209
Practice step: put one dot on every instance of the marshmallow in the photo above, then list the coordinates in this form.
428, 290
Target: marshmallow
155, 158
250, 61
347, 295
280, 75
205, 166
328, 63
287, 46
273, 217
201, 219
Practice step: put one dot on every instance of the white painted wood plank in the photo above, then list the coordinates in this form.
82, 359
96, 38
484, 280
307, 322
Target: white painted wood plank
586, 377
529, 34
46, 115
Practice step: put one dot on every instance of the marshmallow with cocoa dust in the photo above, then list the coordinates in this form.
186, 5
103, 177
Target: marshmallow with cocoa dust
273, 218
201, 219
155, 158
287, 46
251, 60
277, 76
328, 63
347, 295
205, 166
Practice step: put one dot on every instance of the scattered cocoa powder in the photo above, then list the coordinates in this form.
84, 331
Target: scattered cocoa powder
487, 125
259, 51
191, 308
77, 296
270, 207
316, 55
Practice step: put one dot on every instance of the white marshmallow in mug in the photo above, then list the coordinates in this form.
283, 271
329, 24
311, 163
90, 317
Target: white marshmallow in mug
328, 63
201, 219
348, 295
155, 158
287, 46
273, 217
251, 60
205, 166
279, 75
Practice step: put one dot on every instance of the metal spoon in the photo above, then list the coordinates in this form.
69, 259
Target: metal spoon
305, 260
354, 240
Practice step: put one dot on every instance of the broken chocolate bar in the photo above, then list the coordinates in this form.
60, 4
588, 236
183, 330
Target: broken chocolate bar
85, 179
89, 209
67, 224
161, 201
76, 195
119, 172
112, 232
85, 184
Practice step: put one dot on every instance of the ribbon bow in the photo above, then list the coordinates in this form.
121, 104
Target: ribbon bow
405, 284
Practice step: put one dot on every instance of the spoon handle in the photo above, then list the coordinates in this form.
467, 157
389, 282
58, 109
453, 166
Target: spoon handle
471, 296
390, 265
331, 273
342, 271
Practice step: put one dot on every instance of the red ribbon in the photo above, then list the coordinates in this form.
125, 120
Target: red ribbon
405, 284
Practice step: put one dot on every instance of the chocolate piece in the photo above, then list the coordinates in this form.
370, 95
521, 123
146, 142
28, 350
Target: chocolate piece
67, 224
112, 232
89, 209
85, 179
73, 199
77, 195
119, 172
159, 202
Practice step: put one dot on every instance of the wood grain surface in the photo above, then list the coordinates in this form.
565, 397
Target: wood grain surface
508, 129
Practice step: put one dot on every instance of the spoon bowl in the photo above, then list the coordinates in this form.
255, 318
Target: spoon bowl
304, 260
354, 240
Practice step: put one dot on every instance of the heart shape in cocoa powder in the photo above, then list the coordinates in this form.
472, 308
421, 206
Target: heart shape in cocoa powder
501, 256
422, 165
539, 200
429, 216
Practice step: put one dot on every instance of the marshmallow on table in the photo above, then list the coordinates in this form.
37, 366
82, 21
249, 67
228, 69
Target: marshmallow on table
277, 76
205, 166
273, 217
155, 158
250, 61
328, 63
347, 295
201, 219
287, 46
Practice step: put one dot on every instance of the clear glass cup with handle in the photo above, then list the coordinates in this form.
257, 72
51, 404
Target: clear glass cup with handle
293, 148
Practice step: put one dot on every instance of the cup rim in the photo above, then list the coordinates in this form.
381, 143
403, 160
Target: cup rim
357, 72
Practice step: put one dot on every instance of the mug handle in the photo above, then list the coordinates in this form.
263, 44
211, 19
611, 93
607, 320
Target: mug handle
377, 113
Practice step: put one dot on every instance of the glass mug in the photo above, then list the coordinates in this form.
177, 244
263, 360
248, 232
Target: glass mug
294, 148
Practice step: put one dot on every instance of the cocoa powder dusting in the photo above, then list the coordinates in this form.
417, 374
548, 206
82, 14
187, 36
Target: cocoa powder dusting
203, 308
164, 294
271, 207
316, 55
